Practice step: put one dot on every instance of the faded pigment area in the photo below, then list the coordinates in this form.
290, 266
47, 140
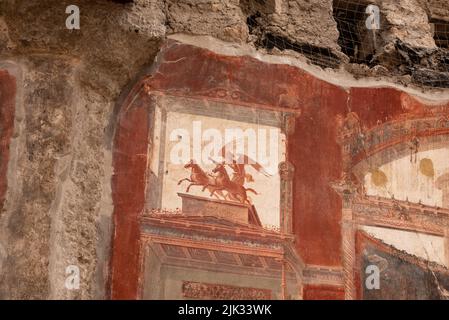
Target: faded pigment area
362, 118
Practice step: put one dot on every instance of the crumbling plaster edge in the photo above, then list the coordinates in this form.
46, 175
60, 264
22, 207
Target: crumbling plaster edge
339, 78
16, 148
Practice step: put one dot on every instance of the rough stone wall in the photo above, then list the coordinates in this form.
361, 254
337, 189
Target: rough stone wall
408, 22
302, 22
438, 9
58, 207
220, 19
306, 22
404, 48
59, 213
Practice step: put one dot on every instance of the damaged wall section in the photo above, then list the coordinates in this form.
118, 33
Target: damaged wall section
403, 45
441, 33
73, 80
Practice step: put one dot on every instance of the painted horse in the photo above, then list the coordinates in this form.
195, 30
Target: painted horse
222, 182
200, 178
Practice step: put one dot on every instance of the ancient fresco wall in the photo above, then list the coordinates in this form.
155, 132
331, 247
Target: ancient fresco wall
321, 117
8, 101
60, 209
406, 277
206, 135
74, 167
8, 92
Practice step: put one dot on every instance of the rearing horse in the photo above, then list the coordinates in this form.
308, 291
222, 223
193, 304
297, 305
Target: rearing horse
200, 178
223, 182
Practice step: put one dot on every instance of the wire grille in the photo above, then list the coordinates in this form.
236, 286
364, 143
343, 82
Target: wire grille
362, 33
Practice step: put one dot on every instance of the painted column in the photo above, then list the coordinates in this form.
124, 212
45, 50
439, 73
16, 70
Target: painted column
446, 247
286, 172
348, 228
348, 252
351, 139
442, 183
284, 280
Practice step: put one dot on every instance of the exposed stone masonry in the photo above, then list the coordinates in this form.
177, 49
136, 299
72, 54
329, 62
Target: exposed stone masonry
58, 208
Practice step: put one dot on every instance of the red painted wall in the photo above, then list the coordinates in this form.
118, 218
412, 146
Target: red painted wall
7, 110
322, 292
128, 194
189, 71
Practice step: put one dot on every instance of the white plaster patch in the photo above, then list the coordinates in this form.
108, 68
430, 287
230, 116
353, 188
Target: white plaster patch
406, 181
424, 246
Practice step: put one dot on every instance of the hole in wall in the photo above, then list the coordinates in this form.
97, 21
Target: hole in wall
440, 30
355, 40
250, 7
257, 12
252, 22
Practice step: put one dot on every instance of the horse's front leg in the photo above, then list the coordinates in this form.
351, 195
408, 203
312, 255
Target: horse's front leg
233, 197
213, 190
210, 188
206, 186
190, 185
218, 195
243, 198
182, 180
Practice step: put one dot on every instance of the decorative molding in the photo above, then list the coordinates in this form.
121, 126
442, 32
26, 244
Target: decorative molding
317, 275
347, 191
359, 144
289, 124
446, 247
402, 215
349, 258
286, 172
210, 291
211, 227
222, 95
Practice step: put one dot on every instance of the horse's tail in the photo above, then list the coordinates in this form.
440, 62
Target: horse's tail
252, 190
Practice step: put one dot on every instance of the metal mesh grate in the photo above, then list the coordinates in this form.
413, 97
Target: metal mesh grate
362, 30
